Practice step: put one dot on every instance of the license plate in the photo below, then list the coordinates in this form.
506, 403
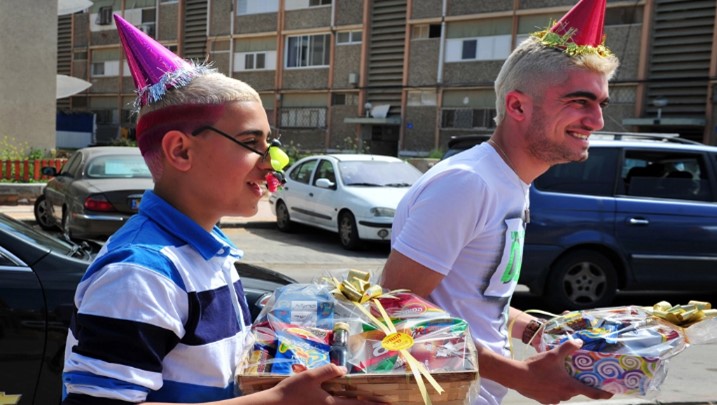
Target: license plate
134, 203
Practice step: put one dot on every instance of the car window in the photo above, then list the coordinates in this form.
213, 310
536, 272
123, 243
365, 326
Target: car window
325, 171
666, 174
595, 176
376, 173
70, 167
302, 173
23, 231
118, 166
5, 260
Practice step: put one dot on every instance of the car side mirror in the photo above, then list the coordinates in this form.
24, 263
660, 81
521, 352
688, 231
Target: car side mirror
325, 183
49, 171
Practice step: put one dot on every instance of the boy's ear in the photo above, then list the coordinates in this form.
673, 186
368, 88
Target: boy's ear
175, 147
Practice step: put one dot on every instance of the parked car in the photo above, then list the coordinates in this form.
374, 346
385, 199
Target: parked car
95, 192
459, 143
38, 277
353, 195
639, 214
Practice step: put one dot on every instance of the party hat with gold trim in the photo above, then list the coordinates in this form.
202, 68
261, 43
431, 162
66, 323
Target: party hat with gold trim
580, 31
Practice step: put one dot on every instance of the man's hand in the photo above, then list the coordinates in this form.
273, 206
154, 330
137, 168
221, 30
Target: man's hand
548, 382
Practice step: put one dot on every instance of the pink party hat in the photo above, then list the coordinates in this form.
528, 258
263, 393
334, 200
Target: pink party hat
580, 30
155, 69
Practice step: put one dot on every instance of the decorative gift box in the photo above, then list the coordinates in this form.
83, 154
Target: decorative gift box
626, 349
399, 347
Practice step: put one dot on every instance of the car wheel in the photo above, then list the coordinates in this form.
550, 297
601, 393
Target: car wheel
348, 233
283, 220
582, 279
42, 214
66, 224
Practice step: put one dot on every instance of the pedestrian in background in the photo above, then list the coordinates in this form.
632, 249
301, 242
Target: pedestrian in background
458, 233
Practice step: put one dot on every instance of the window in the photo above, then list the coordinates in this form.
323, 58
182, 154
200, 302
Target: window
106, 117
108, 68
265, 60
418, 98
149, 15
496, 47
98, 69
316, 3
468, 118
469, 49
302, 174
254, 61
71, 167
425, 31
306, 117
348, 37
246, 7
307, 50
344, 99
104, 16
666, 175
338, 99
325, 171
595, 176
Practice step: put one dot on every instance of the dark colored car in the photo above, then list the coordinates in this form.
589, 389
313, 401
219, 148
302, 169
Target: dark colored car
459, 143
38, 277
95, 192
639, 214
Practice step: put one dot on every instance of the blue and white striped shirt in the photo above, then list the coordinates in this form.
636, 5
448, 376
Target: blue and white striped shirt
155, 319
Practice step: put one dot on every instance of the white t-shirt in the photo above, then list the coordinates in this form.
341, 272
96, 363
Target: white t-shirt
465, 219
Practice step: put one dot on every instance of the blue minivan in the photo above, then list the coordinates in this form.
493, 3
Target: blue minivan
639, 214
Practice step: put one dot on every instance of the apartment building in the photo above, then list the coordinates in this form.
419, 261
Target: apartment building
397, 77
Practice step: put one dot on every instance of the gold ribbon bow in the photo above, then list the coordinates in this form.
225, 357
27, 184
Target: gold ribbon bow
358, 290
684, 315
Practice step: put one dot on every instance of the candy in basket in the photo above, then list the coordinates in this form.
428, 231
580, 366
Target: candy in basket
625, 349
397, 347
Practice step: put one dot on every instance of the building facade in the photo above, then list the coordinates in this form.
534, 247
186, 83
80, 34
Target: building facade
396, 77
27, 76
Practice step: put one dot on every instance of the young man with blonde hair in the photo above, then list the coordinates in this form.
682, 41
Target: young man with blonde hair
550, 95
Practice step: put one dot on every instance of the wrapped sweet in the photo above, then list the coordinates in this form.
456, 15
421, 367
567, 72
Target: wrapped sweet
625, 349
381, 337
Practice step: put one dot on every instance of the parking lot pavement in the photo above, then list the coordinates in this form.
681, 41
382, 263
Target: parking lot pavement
24, 212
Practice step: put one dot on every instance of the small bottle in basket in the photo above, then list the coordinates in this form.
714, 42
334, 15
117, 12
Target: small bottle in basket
339, 345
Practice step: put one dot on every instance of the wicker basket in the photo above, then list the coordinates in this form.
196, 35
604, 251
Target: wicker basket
389, 388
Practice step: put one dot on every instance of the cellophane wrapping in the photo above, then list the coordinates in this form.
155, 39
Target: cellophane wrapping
626, 350
294, 331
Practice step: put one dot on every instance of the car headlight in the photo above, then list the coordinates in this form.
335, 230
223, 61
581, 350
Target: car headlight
383, 212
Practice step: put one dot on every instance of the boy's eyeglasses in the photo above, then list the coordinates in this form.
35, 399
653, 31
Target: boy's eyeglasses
278, 158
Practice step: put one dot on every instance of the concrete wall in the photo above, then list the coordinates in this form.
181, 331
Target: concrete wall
28, 71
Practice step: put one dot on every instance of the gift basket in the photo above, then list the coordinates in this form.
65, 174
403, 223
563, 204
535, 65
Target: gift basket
397, 347
626, 349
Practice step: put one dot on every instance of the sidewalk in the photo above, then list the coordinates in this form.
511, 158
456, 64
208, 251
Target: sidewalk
24, 212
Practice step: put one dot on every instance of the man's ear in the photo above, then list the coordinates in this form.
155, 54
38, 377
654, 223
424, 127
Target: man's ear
175, 148
516, 105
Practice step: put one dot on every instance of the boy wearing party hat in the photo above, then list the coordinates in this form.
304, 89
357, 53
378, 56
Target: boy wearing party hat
161, 314
550, 94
